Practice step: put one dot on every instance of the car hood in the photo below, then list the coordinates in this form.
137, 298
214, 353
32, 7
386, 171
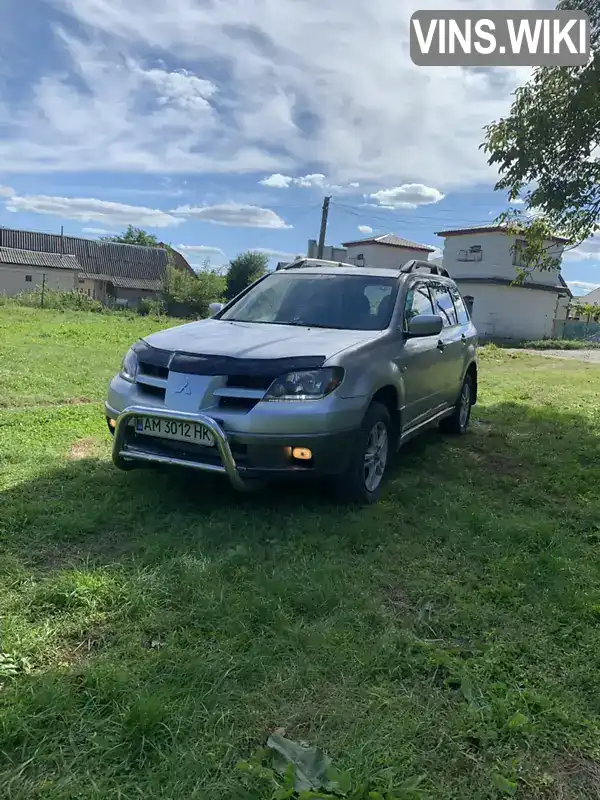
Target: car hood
255, 339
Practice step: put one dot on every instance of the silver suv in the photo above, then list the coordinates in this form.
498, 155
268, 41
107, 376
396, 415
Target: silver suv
318, 369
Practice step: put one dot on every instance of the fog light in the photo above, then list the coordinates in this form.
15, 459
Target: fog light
112, 423
302, 453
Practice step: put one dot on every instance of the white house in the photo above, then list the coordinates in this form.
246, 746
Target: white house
385, 251
590, 299
484, 261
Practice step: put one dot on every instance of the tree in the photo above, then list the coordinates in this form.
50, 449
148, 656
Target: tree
547, 150
134, 236
195, 291
244, 270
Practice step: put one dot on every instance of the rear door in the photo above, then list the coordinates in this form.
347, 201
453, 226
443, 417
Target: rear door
419, 361
452, 341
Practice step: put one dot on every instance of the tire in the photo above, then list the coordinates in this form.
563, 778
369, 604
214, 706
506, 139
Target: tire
359, 485
458, 423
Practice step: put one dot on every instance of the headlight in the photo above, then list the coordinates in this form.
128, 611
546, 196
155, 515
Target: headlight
305, 384
129, 366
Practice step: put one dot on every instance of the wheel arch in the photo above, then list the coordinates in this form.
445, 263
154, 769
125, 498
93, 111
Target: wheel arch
472, 373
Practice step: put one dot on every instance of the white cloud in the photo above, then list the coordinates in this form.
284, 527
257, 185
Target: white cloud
254, 96
201, 249
234, 215
97, 231
88, 209
587, 251
6, 191
282, 255
409, 195
589, 287
365, 229
315, 180
277, 181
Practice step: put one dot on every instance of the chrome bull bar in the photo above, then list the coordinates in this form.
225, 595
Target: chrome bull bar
124, 452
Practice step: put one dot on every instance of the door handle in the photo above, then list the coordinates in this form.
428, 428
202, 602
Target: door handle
441, 346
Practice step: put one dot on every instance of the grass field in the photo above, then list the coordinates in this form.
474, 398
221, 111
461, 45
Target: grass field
156, 627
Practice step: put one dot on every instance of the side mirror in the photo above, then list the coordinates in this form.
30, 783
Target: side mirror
214, 308
425, 325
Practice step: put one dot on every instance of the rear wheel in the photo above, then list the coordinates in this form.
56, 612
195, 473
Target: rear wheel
458, 423
361, 482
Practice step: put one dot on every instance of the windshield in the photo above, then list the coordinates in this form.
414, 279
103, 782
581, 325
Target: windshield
347, 302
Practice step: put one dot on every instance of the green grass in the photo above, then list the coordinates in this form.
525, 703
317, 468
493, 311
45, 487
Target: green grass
156, 627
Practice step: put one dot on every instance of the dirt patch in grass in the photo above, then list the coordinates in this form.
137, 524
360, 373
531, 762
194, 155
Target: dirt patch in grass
84, 448
577, 778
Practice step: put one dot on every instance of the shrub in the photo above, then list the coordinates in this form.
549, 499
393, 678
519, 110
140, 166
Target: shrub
63, 301
196, 292
152, 308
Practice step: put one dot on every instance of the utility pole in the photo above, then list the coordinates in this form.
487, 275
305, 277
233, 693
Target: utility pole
43, 289
324, 215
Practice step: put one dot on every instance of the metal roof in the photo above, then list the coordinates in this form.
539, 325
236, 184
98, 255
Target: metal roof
31, 258
501, 228
99, 260
393, 241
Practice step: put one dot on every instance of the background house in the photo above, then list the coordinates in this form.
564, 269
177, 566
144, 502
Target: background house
25, 270
385, 251
590, 299
378, 251
483, 262
114, 273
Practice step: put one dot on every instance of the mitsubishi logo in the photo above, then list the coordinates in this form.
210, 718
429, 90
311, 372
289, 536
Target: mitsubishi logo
185, 389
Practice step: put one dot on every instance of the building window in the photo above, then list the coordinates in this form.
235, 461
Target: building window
81, 280
28, 278
474, 253
519, 249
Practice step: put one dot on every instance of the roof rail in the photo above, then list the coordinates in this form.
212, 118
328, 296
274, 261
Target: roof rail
304, 261
414, 265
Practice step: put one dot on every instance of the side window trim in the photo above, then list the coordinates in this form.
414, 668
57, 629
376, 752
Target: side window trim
445, 288
410, 292
454, 293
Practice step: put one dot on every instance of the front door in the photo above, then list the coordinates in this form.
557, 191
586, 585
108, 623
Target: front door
420, 361
452, 341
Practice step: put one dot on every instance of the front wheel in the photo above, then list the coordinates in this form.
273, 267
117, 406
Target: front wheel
361, 482
458, 423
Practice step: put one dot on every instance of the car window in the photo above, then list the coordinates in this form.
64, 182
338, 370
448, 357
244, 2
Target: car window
328, 300
443, 305
459, 305
418, 302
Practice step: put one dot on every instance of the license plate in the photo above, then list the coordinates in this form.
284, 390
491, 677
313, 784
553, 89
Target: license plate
175, 429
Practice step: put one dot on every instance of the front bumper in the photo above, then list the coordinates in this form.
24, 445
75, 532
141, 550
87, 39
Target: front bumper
239, 456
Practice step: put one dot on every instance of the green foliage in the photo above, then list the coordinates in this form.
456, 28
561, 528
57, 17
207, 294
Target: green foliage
62, 301
243, 271
195, 291
152, 307
590, 311
547, 147
558, 344
134, 236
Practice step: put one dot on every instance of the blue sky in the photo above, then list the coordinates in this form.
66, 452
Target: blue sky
220, 126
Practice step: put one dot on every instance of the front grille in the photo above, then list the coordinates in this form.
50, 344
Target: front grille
237, 403
153, 370
249, 381
152, 391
